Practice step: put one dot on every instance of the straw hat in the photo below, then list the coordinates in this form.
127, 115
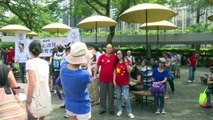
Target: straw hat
162, 60
79, 53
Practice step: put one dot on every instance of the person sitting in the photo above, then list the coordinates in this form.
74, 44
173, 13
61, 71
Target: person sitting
209, 90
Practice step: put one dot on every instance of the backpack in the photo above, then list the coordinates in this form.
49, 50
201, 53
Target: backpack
57, 58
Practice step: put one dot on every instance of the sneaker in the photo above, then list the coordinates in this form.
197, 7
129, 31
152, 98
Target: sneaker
189, 81
119, 113
157, 112
66, 116
131, 115
163, 111
207, 105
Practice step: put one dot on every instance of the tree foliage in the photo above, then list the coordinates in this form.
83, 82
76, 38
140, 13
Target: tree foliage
32, 14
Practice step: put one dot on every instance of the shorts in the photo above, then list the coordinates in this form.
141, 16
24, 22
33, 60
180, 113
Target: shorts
86, 116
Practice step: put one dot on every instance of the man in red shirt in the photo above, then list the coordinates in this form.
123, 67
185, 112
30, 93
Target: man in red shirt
10, 56
192, 63
107, 63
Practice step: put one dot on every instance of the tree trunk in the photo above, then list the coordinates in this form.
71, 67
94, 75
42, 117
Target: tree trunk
198, 16
110, 35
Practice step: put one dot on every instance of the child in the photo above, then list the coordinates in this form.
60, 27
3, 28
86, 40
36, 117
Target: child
209, 90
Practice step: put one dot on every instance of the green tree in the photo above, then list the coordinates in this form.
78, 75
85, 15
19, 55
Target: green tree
32, 14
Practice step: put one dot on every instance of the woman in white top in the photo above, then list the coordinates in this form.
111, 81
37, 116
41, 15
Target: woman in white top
37, 76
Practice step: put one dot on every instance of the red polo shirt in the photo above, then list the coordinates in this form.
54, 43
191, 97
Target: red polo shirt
107, 67
122, 75
193, 60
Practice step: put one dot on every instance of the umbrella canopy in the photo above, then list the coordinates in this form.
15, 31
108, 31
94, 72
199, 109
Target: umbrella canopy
161, 25
210, 1
32, 34
96, 21
14, 28
56, 27
210, 17
155, 12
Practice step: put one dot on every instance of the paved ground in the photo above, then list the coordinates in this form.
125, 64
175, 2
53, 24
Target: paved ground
181, 106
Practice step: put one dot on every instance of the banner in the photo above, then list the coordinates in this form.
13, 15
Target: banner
20, 37
74, 35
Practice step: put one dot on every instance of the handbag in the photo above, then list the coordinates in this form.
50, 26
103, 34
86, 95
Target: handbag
11, 107
41, 101
157, 88
203, 98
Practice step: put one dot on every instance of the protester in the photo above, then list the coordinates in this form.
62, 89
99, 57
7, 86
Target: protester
37, 76
209, 90
94, 87
160, 76
130, 57
75, 82
22, 58
107, 63
192, 63
121, 82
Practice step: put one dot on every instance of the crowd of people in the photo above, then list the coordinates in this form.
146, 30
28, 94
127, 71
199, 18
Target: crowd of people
89, 78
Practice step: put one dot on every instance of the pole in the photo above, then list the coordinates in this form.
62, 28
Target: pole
157, 39
147, 52
96, 34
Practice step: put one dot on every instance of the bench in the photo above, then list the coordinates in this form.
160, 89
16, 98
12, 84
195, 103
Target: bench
142, 94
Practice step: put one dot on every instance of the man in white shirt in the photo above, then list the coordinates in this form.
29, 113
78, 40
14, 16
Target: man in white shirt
130, 58
22, 58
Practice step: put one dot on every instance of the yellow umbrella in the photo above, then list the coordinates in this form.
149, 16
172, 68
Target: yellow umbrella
147, 12
32, 34
210, 17
13, 28
94, 22
210, 1
56, 27
160, 25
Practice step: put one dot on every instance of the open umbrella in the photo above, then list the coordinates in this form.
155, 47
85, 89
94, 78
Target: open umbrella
210, 17
95, 22
56, 27
144, 13
13, 28
147, 12
160, 25
32, 34
210, 1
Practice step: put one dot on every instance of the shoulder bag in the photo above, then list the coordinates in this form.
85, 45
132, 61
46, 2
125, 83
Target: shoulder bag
41, 101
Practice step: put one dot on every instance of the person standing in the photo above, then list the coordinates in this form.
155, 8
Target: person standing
37, 76
107, 63
94, 87
130, 57
4, 56
10, 56
121, 82
178, 64
192, 63
22, 58
160, 76
75, 81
